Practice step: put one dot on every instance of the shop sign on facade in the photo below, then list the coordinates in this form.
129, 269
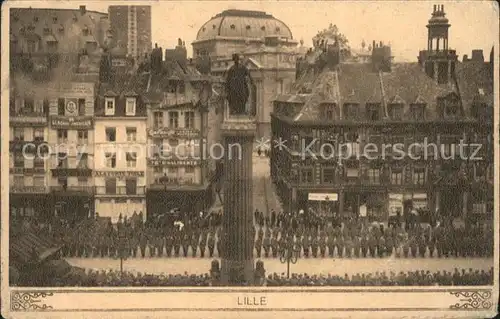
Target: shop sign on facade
323, 197
119, 173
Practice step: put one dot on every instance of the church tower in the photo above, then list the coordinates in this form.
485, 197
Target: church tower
438, 60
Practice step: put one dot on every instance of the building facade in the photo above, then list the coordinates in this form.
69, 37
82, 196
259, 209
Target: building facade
385, 137
70, 139
180, 108
268, 48
131, 28
51, 109
120, 146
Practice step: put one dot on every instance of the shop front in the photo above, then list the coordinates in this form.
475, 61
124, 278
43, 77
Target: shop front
72, 207
161, 201
36, 205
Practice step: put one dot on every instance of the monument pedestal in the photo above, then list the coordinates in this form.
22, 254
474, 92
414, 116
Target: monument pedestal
237, 256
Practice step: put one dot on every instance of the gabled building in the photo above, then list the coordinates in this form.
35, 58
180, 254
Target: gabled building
182, 123
120, 142
348, 113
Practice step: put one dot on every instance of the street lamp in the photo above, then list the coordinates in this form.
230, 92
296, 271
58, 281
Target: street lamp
289, 254
122, 255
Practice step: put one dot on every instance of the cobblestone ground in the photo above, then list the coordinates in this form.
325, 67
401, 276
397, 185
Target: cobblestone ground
303, 265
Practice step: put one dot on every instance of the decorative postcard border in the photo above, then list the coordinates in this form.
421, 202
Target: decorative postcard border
453, 300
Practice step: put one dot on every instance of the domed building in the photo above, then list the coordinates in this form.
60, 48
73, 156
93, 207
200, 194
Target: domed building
268, 48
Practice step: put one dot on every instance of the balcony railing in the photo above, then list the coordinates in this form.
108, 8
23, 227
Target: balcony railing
28, 189
73, 189
120, 190
26, 117
27, 171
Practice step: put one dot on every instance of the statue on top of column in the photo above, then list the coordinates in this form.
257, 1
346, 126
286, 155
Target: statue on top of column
237, 87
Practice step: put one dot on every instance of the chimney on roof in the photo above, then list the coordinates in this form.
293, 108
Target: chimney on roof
492, 55
477, 56
374, 45
83, 10
434, 8
465, 58
382, 58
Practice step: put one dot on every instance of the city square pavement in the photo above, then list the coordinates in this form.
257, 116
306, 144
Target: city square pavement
265, 199
339, 266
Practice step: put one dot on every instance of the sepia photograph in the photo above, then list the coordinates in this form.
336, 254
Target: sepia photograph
264, 154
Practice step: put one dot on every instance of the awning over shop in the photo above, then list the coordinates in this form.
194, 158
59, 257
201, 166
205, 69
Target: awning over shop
26, 247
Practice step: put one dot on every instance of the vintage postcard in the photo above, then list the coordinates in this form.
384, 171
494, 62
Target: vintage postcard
249, 158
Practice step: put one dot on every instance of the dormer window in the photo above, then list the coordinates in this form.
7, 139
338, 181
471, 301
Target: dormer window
350, 111
396, 111
449, 106
22, 30
85, 31
248, 27
233, 26
328, 111
263, 28
31, 28
54, 19
277, 29
451, 109
61, 29
46, 31
417, 112
131, 105
373, 111
109, 106
35, 19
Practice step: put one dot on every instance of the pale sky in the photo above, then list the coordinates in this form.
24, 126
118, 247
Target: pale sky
474, 24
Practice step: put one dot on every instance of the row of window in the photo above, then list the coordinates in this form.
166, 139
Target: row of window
110, 188
130, 107
330, 176
38, 134
373, 175
173, 119
396, 111
131, 133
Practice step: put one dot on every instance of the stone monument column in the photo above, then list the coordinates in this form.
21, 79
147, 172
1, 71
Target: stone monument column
238, 132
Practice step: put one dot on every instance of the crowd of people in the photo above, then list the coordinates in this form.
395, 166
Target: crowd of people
307, 234
94, 278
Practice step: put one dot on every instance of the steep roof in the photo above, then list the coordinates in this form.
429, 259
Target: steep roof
61, 24
357, 83
475, 82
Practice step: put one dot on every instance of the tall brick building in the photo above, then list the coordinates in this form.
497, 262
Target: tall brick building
437, 99
131, 27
